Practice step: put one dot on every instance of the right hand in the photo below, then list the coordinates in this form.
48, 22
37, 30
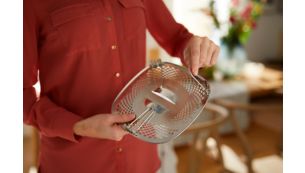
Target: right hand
105, 126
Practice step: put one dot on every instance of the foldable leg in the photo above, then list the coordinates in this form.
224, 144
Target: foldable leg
244, 142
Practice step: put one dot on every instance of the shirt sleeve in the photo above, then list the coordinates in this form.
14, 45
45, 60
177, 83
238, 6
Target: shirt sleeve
51, 119
171, 35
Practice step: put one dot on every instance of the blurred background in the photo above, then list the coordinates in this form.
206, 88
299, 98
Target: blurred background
242, 128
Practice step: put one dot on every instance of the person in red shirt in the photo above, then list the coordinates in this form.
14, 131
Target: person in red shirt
83, 52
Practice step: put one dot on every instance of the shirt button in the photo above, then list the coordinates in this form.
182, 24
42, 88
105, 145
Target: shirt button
119, 149
113, 47
117, 75
108, 18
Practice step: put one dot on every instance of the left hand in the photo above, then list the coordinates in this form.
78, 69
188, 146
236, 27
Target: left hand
200, 52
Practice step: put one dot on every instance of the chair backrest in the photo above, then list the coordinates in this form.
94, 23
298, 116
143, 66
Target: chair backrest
219, 113
232, 105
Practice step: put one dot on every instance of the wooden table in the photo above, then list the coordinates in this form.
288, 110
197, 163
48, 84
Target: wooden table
271, 81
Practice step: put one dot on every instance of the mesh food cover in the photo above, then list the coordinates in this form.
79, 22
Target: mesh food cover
165, 98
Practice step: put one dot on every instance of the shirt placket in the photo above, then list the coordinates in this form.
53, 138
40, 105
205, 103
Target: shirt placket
113, 44
117, 73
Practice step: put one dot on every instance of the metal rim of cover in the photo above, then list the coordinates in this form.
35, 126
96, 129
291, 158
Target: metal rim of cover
198, 80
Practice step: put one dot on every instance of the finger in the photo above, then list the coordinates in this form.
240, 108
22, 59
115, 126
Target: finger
215, 56
203, 52
195, 55
118, 132
209, 54
122, 118
187, 58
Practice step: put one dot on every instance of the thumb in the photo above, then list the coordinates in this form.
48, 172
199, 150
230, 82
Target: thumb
122, 118
118, 133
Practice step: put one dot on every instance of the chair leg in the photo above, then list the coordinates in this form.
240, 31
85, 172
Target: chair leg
35, 145
193, 161
215, 135
195, 154
244, 142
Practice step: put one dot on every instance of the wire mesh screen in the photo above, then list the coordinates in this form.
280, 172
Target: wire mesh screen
165, 98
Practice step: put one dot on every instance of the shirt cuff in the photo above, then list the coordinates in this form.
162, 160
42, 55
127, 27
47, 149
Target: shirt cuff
63, 126
55, 121
182, 46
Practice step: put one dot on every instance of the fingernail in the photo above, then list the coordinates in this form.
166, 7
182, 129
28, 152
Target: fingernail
195, 72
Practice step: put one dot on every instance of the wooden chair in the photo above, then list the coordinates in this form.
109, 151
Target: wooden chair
232, 106
31, 149
36, 146
198, 144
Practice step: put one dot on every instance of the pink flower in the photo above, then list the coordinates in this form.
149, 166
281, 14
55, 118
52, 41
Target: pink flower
247, 12
235, 3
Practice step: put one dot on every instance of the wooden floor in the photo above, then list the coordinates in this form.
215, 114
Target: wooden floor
264, 142
264, 135
28, 151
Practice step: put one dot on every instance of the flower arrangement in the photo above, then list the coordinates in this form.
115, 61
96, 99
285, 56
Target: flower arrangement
242, 20
236, 30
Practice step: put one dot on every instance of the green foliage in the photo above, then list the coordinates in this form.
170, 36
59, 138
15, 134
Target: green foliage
207, 73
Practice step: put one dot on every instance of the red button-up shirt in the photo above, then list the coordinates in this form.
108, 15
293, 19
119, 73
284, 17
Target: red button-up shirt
85, 52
